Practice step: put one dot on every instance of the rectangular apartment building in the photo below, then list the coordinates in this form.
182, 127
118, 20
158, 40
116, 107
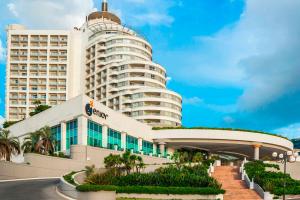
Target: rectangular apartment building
38, 68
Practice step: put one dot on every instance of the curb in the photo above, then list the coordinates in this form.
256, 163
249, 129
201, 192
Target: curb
62, 195
28, 179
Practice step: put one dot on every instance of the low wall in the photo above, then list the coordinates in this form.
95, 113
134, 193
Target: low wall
171, 196
36, 165
292, 168
95, 156
9, 170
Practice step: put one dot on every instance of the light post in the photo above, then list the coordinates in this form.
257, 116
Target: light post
287, 156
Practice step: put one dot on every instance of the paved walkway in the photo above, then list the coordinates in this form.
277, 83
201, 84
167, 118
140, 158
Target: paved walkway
235, 188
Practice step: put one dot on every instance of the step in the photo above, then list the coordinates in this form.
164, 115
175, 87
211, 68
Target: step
236, 189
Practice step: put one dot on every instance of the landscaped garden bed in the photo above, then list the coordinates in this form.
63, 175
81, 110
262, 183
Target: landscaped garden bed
271, 181
124, 177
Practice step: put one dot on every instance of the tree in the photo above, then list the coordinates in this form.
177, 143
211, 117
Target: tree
45, 145
127, 161
141, 165
198, 157
7, 124
113, 162
30, 142
39, 107
8, 145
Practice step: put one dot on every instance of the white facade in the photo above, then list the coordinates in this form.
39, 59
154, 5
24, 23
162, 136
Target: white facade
83, 121
102, 59
41, 65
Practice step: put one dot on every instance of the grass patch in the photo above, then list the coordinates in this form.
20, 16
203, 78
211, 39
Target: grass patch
149, 189
69, 178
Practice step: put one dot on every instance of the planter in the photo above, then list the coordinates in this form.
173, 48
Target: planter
103, 195
171, 196
268, 196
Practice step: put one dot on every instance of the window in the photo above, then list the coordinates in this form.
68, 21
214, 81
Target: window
132, 143
147, 147
114, 138
72, 133
94, 134
56, 134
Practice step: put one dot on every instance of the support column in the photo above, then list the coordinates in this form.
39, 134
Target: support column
82, 130
162, 148
123, 140
154, 149
104, 136
63, 143
140, 143
256, 151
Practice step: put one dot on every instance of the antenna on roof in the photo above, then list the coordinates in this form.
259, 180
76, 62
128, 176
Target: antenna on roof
104, 6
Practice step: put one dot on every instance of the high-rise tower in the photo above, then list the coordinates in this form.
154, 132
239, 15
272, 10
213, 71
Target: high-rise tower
120, 72
103, 59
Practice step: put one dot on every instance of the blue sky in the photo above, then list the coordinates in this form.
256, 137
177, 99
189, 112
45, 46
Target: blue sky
235, 62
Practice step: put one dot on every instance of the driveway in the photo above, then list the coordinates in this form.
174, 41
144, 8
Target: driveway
30, 190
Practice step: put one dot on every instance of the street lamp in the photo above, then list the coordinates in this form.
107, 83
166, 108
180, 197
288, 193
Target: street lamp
287, 156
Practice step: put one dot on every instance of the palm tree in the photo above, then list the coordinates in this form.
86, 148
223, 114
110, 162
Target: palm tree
30, 142
128, 161
45, 145
140, 165
8, 145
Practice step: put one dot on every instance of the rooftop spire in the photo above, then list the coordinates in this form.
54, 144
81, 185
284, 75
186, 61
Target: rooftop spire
104, 6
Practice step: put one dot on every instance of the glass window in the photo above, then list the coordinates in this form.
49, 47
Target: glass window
147, 147
94, 134
132, 143
114, 138
56, 134
72, 133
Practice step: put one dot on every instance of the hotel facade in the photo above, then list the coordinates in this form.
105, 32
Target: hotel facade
106, 93
102, 59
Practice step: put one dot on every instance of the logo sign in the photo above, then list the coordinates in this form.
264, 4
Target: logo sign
90, 110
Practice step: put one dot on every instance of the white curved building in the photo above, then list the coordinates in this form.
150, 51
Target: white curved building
120, 72
103, 59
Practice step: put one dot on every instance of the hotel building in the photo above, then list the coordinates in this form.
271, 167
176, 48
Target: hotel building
106, 94
103, 59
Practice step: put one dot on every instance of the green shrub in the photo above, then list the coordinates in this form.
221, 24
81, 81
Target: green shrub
188, 176
271, 181
69, 178
149, 189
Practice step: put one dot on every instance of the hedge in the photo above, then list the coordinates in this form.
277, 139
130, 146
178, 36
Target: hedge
172, 176
271, 181
150, 189
69, 178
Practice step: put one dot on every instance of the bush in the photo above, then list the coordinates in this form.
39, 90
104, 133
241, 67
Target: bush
271, 181
69, 178
188, 176
149, 189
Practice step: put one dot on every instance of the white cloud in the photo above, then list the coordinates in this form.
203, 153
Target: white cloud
2, 52
192, 101
2, 120
56, 14
142, 12
290, 131
12, 8
259, 54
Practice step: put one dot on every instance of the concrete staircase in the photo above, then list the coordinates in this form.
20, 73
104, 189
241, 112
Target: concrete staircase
235, 188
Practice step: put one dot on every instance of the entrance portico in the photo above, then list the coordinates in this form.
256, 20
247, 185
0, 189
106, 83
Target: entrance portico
239, 144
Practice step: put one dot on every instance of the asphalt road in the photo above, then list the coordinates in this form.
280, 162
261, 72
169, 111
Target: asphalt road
30, 190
